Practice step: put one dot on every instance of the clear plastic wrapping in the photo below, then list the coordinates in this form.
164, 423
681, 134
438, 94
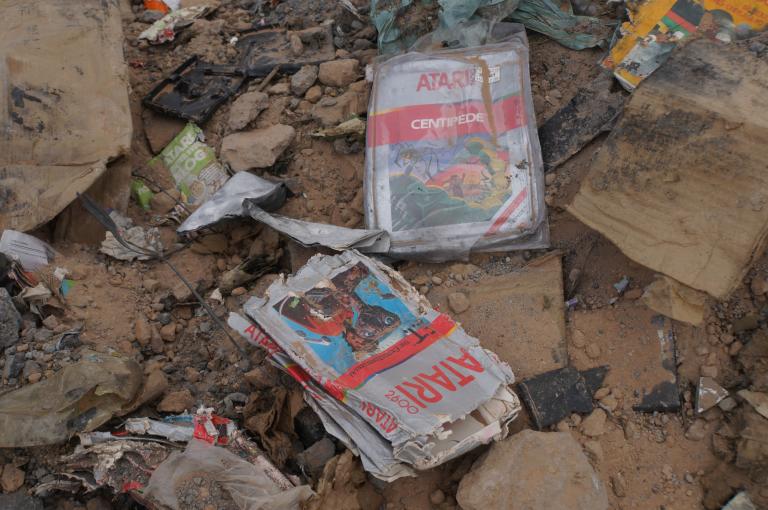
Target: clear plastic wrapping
453, 162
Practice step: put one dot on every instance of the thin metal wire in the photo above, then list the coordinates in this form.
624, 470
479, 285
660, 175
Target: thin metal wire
100, 214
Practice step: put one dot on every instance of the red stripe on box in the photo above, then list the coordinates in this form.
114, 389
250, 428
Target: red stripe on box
404, 349
412, 123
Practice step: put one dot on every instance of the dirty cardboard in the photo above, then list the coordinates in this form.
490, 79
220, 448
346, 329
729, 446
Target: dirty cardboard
370, 341
676, 301
65, 114
638, 346
532, 339
680, 184
658, 27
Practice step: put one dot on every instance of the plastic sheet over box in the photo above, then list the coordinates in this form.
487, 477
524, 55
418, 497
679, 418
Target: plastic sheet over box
453, 162
399, 383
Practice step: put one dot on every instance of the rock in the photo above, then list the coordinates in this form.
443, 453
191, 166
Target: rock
314, 94
361, 45
335, 111
593, 350
10, 320
633, 294
246, 108
142, 330
51, 322
752, 448
191, 374
619, 485
238, 291
759, 285
155, 385
262, 377
727, 404
150, 284
458, 302
578, 339
316, 456
12, 478
258, 148
297, 47
602, 393
160, 129
20, 500
747, 323
279, 89
30, 368
14, 364
149, 16
339, 73
181, 292
594, 424
437, 497
609, 402
709, 371
177, 402
533, 470
594, 450
168, 332
156, 344
697, 431
303, 80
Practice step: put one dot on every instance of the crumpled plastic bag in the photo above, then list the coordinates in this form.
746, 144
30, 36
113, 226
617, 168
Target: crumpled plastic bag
547, 17
401, 24
251, 486
79, 397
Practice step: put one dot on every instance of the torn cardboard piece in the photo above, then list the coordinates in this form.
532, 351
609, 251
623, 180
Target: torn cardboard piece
658, 27
675, 300
531, 340
59, 128
364, 337
638, 346
680, 184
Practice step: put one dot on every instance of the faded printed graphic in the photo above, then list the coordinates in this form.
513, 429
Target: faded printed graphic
352, 317
434, 184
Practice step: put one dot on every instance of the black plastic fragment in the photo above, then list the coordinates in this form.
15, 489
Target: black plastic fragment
555, 395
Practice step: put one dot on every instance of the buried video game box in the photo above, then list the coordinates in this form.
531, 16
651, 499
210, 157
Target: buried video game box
453, 157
